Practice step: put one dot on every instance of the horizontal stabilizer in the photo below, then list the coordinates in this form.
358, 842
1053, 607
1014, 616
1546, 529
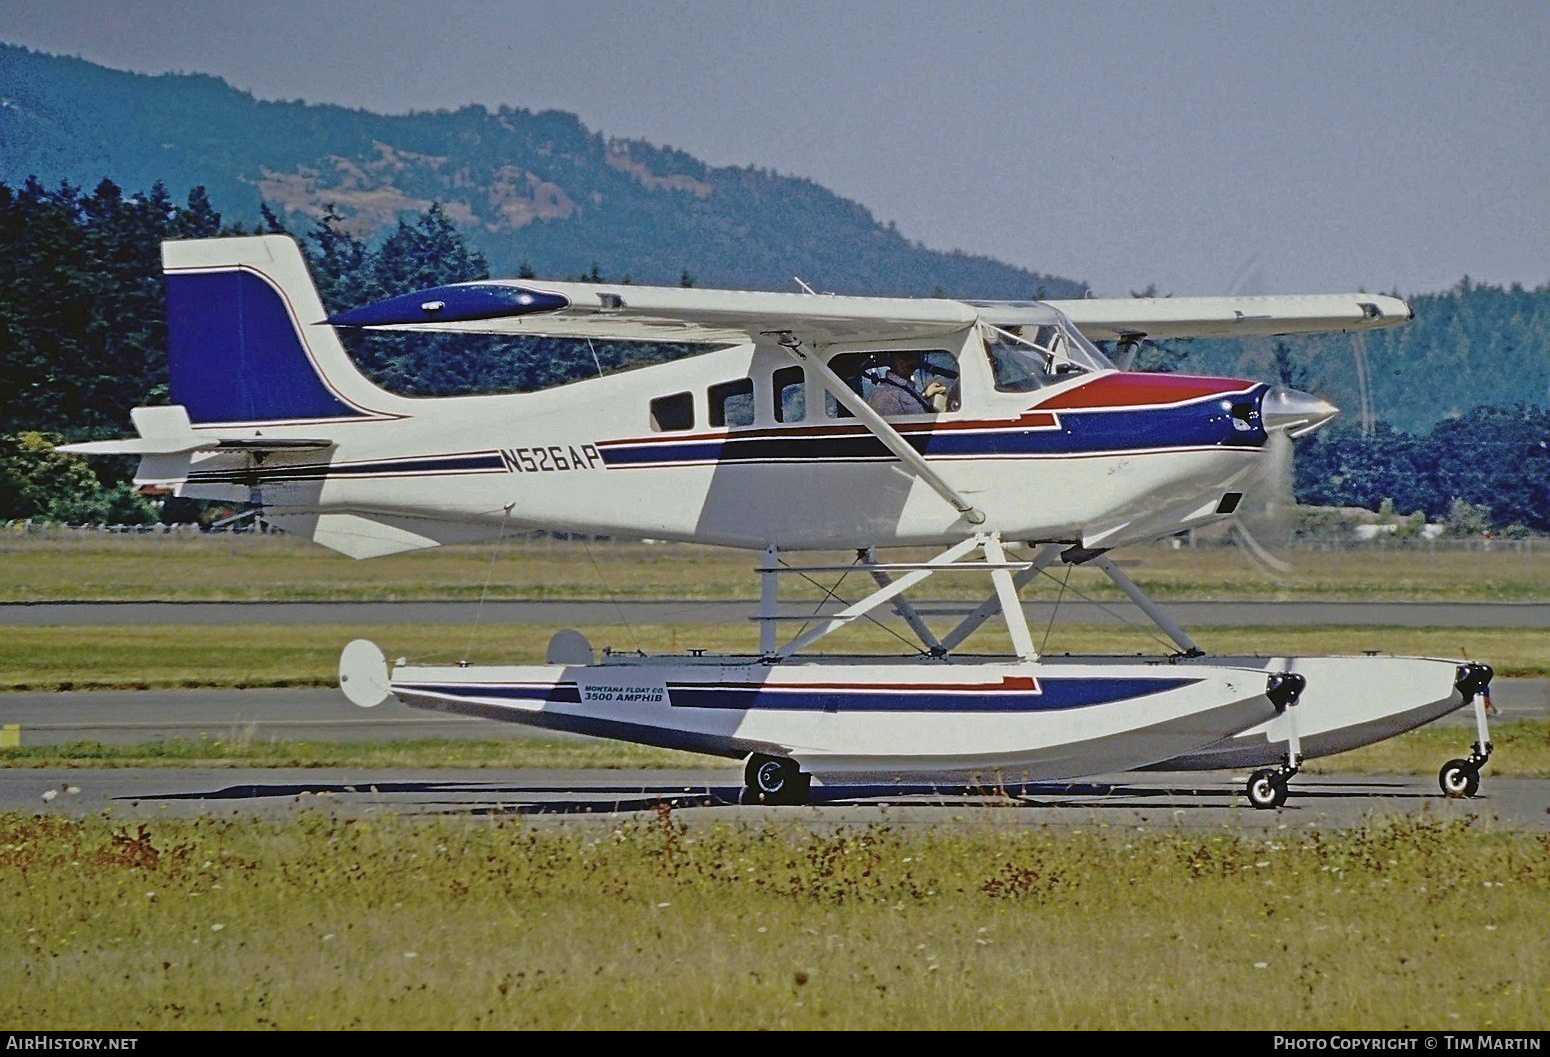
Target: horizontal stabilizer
167, 431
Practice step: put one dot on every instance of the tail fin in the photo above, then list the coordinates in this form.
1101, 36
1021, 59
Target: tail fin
245, 339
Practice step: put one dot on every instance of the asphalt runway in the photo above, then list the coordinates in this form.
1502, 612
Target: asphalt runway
1194, 802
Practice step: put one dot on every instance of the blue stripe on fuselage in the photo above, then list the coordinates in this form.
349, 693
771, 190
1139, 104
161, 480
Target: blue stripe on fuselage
418, 466
1201, 424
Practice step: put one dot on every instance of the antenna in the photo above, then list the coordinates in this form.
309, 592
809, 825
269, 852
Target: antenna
805, 288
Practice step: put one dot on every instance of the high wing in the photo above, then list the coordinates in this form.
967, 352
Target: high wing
1126, 319
612, 311
657, 313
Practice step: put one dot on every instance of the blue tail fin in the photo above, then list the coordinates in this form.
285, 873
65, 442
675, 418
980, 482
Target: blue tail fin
245, 339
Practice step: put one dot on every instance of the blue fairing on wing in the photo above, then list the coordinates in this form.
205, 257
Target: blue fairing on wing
234, 354
452, 304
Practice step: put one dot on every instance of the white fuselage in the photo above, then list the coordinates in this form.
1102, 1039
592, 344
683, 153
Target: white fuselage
1096, 459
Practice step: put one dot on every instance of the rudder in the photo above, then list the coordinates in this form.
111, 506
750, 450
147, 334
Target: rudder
242, 341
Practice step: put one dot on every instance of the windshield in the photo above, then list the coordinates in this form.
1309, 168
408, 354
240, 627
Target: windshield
1030, 356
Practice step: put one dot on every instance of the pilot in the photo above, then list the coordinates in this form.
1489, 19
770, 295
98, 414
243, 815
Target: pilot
895, 393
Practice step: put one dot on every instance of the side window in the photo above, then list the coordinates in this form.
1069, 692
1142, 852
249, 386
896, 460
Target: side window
670, 413
938, 365
789, 389
849, 366
731, 403
863, 372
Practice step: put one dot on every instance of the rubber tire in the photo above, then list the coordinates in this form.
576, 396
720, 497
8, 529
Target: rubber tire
1266, 790
776, 780
1459, 779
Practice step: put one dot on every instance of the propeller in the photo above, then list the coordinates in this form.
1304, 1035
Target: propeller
1266, 514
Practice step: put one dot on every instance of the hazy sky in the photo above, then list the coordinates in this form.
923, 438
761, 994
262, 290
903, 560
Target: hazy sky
1260, 147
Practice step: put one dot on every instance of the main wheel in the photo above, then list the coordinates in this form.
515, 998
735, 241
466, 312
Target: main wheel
1459, 779
1266, 789
774, 780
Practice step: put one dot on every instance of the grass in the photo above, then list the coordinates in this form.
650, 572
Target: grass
396, 924
1522, 750
254, 567
274, 655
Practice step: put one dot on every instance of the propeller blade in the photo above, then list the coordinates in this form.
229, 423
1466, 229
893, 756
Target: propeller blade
1267, 512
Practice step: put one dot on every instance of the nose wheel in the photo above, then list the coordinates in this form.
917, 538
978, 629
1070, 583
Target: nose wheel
1267, 787
1460, 779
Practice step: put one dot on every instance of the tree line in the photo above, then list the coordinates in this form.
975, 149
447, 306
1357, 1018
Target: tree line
83, 340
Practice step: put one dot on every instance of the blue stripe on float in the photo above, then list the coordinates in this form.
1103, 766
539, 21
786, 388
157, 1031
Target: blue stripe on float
1058, 694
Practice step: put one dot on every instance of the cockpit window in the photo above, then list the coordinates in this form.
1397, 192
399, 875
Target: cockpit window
864, 372
1025, 358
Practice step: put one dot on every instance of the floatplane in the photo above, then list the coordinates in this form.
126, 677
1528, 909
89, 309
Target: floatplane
994, 433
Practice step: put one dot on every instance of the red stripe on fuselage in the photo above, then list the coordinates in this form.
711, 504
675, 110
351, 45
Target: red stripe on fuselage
1028, 420
1142, 390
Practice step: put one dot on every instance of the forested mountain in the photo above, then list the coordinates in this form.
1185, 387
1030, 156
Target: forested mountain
527, 188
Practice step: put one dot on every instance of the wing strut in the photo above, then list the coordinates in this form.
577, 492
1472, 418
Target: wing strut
995, 562
1179, 636
879, 427
902, 605
1047, 555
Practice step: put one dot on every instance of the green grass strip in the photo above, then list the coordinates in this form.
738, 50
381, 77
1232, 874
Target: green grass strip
277, 655
387, 923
